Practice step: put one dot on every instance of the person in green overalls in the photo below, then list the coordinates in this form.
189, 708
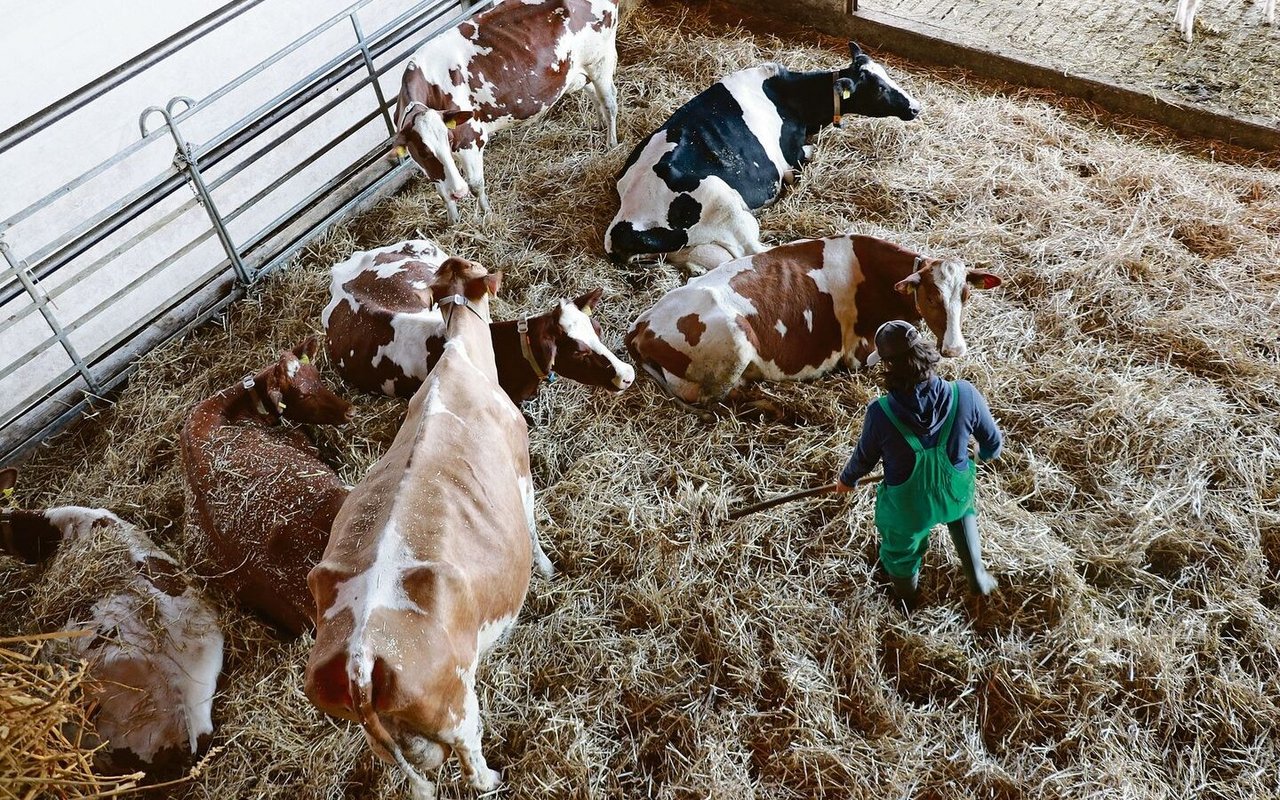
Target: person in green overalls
921, 430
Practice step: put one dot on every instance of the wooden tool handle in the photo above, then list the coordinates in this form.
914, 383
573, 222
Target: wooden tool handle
738, 513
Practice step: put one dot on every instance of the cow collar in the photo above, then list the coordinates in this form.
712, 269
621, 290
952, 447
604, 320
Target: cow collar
459, 300
526, 349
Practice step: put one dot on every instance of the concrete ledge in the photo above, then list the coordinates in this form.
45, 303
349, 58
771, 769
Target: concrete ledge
932, 45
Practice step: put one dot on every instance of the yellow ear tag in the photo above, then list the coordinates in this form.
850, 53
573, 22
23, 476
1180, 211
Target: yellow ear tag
587, 310
305, 360
451, 124
401, 151
845, 94
280, 406
8, 494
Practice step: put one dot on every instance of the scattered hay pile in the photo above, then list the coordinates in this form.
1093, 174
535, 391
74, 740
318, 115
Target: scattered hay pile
42, 725
1132, 357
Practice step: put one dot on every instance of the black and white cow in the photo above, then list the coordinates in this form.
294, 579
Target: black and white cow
690, 189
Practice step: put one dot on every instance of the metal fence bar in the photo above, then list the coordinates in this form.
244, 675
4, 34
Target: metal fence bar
299, 167
115, 77
289, 251
274, 245
49, 318
159, 267
147, 138
373, 74
185, 158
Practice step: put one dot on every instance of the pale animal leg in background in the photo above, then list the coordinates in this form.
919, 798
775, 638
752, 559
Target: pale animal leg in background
606, 99
471, 163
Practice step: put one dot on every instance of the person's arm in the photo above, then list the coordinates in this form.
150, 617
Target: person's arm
990, 442
865, 456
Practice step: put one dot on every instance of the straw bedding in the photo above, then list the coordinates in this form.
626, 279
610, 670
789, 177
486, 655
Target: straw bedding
1132, 358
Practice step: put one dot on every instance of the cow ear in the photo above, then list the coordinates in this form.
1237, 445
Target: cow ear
588, 301
276, 397
845, 87
428, 298
306, 351
981, 279
854, 51
908, 284
453, 119
493, 282
8, 480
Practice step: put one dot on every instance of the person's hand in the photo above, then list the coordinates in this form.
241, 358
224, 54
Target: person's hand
840, 488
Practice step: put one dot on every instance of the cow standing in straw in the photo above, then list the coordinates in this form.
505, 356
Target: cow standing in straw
507, 65
428, 562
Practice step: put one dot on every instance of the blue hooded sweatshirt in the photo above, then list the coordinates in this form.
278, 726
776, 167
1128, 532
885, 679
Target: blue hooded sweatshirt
923, 409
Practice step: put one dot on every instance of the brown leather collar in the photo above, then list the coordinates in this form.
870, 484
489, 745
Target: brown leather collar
526, 349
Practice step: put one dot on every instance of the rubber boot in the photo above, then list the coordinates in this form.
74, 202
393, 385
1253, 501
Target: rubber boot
905, 589
964, 535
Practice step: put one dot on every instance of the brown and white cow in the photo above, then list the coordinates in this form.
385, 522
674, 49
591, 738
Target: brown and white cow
506, 65
260, 497
383, 337
153, 646
795, 312
428, 563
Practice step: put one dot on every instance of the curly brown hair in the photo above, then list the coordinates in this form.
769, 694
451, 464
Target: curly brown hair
912, 367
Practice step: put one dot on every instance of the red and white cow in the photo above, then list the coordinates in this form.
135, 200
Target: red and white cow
383, 336
260, 497
154, 647
428, 563
795, 312
506, 65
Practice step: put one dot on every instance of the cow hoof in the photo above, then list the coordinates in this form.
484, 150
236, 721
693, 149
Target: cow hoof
486, 780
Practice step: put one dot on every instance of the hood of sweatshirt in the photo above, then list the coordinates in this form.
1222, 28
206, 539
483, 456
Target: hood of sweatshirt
924, 407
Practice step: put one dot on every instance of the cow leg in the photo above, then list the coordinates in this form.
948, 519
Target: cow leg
471, 163
450, 207
540, 560
661, 378
465, 740
413, 755
606, 98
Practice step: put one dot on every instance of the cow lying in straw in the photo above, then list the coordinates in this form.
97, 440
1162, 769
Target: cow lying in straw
260, 497
796, 312
383, 336
691, 188
153, 645
428, 563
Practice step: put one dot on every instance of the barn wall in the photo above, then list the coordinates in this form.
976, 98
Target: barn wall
104, 295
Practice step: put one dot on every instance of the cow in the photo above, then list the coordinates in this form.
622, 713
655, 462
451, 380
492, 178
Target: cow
428, 563
1184, 16
260, 498
382, 336
796, 312
691, 188
151, 642
506, 65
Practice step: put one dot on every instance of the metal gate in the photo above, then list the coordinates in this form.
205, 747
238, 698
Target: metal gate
69, 324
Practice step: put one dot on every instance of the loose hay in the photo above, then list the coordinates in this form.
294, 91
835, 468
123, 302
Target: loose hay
44, 735
1132, 358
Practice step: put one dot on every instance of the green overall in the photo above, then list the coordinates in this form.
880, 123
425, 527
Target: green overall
936, 493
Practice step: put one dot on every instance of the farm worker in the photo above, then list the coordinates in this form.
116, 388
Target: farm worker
921, 430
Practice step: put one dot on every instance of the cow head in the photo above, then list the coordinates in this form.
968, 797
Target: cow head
578, 352
27, 535
294, 386
459, 277
430, 137
940, 290
865, 88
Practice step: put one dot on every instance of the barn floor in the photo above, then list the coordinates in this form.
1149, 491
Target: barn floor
1132, 357
1231, 66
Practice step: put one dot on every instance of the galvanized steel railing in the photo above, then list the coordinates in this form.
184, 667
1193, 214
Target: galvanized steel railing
95, 374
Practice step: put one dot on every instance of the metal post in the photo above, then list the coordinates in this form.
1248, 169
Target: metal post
42, 303
185, 159
373, 73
